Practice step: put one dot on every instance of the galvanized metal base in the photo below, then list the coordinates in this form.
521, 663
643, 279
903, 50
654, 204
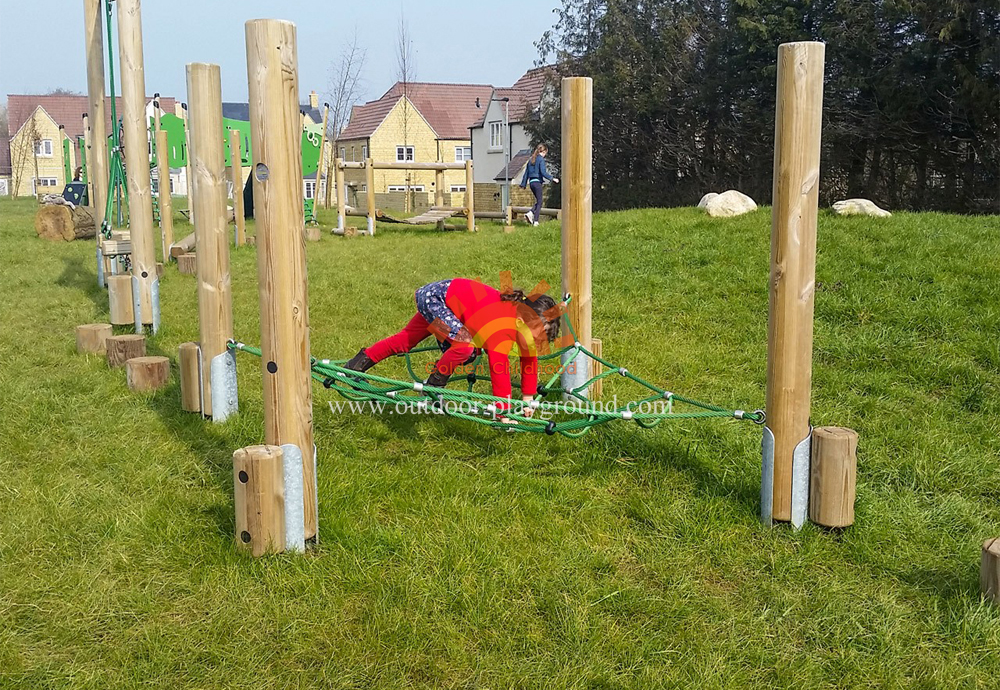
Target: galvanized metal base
223, 380
800, 479
576, 374
102, 281
295, 514
371, 226
154, 298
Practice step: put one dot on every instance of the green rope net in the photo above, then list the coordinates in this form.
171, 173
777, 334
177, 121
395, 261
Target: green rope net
573, 416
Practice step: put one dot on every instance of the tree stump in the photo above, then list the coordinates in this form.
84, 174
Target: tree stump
188, 263
989, 572
60, 223
832, 476
312, 234
187, 361
121, 348
120, 300
159, 269
259, 488
252, 240
147, 373
92, 337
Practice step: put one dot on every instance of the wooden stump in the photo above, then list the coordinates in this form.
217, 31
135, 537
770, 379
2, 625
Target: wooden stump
60, 223
252, 240
187, 358
259, 497
147, 373
350, 231
121, 348
120, 300
92, 337
989, 573
159, 269
188, 263
312, 234
832, 477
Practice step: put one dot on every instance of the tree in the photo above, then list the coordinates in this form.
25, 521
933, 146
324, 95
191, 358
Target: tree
24, 146
405, 74
345, 88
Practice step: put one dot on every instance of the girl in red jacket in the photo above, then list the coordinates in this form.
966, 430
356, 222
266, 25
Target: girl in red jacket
467, 316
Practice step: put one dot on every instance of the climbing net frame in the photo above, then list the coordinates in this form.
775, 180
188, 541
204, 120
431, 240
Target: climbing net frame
579, 414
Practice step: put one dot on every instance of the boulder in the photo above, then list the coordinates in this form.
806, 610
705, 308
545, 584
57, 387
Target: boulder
705, 199
728, 204
859, 207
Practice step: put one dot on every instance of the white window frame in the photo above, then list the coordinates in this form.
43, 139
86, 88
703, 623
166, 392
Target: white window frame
4, 188
309, 189
343, 153
496, 135
364, 152
405, 154
458, 188
49, 182
43, 148
364, 188
403, 188
463, 153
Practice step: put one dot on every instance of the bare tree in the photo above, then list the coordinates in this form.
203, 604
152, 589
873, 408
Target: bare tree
21, 149
405, 74
345, 87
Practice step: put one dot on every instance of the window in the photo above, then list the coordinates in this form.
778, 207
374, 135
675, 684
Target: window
463, 153
457, 188
402, 188
343, 153
496, 135
4, 191
364, 152
171, 185
310, 189
44, 183
364, 188
353, 159
404, 154
43, 148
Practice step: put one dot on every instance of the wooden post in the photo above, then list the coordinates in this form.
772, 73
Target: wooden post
166, 203
341, 194
370, 194
597, 388
259, 497
439, 187
97, 154
185, 113
833, 475
147, 373
236, 158
92, 337
797, 128
577, 186
208, 165
89, 168
120, 303
187, 363
122, 348
322, 159
140, 197
989, 571
470, 199
276, 135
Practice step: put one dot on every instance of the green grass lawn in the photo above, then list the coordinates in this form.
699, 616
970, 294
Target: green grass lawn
454, 556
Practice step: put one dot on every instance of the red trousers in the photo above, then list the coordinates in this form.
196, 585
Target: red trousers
408, 338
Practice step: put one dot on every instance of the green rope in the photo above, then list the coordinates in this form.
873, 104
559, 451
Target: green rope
576, 417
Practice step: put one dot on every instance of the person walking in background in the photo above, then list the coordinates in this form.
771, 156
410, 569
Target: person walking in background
534, 175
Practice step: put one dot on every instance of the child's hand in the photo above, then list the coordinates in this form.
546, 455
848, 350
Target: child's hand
556, 180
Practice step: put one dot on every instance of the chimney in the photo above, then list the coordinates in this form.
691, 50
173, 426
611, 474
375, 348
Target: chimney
313, 100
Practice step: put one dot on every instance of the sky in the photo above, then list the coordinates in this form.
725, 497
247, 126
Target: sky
462, 41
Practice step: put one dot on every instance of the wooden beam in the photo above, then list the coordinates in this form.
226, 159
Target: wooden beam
236, 159
208, 163
166, 202
135, 128
276, 135
577, 186
797, 128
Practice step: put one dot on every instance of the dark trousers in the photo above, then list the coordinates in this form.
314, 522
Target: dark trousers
536, 189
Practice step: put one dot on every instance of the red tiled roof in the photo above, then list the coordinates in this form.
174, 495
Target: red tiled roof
450, 109
66, 110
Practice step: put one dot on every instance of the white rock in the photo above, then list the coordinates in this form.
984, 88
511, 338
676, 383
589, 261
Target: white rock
729, 203
859, 207
705, 199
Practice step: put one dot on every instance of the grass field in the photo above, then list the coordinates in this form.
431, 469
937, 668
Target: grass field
453, 556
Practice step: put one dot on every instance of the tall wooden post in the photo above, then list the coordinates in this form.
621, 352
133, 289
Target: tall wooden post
797, 129
370, 194
341, 194
166, 203
322, 158
88, 170
276, 136
439, 187
145, 285
470, 198
236, 158
98, 153
208, 164
577, 186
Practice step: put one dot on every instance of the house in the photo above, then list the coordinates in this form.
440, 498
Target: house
4, 167
412, 122
46, 135
517, 106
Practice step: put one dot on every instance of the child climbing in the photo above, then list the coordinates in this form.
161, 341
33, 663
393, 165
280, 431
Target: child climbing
467, 316
534, 175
